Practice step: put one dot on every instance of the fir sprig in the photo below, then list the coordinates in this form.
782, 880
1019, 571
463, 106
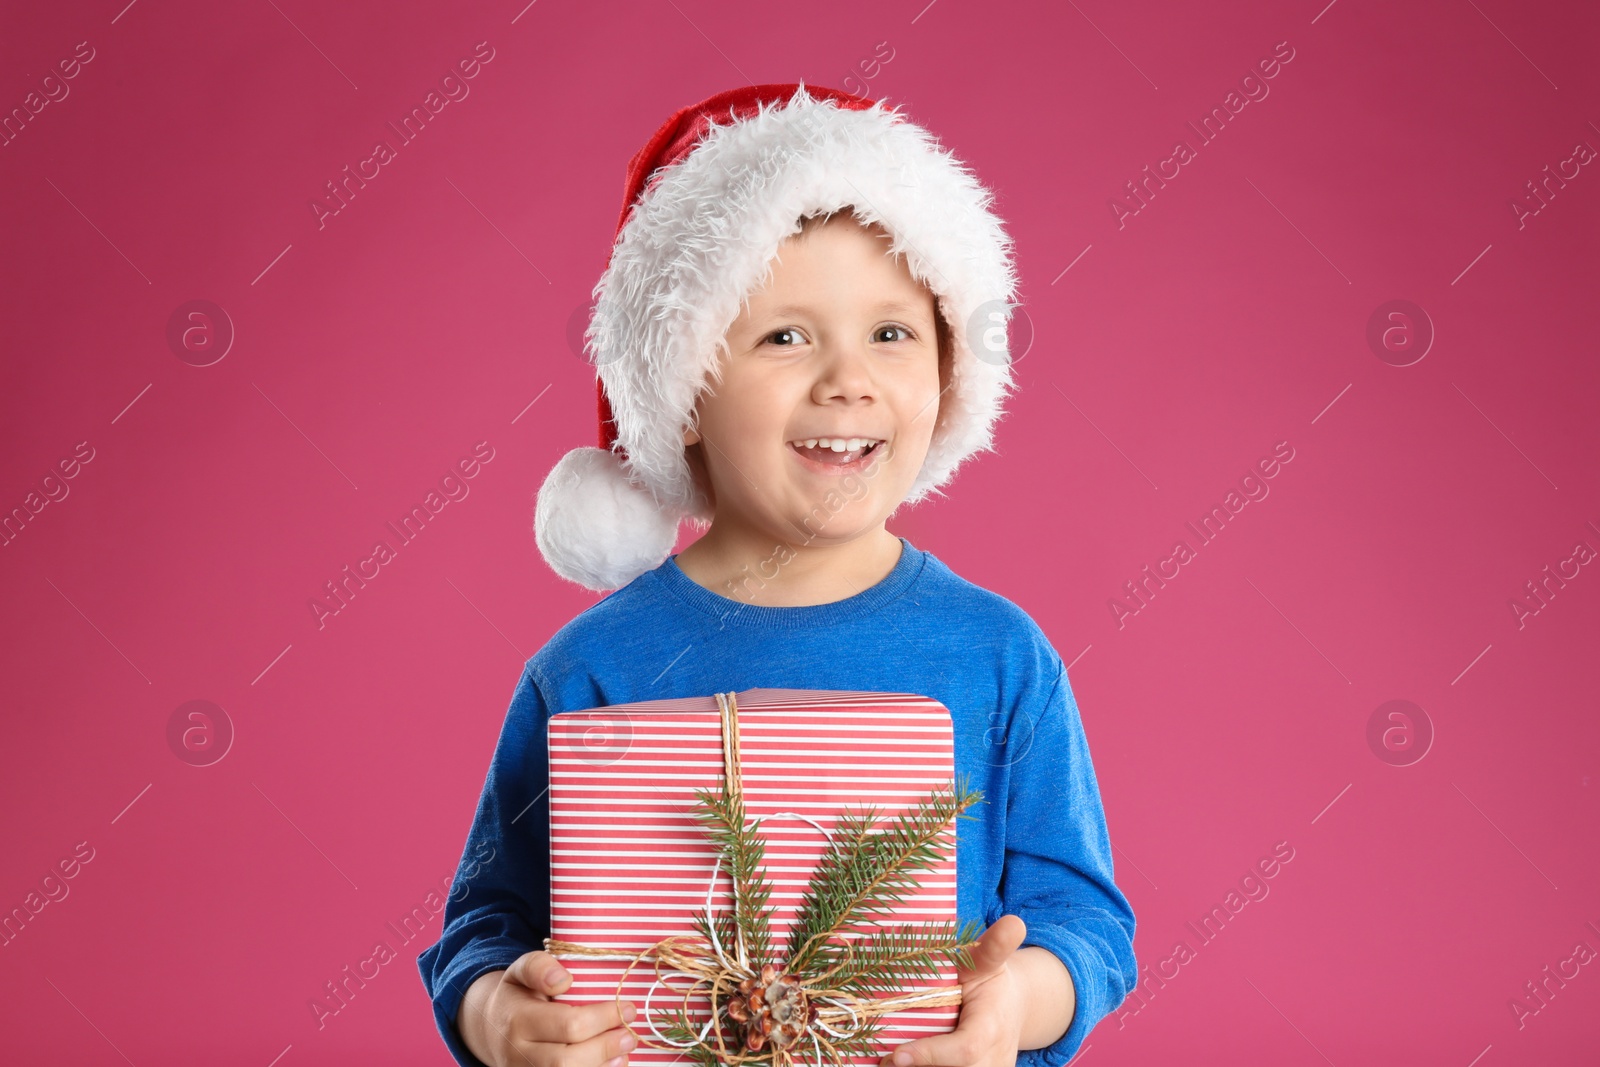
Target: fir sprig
867, 870
723, 819
681, 1031
863, 1041
882, 960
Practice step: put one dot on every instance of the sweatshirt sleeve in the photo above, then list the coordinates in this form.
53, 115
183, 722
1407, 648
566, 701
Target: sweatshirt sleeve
490, 919
1058, 871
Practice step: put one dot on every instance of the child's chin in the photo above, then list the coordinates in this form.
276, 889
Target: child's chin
836, 518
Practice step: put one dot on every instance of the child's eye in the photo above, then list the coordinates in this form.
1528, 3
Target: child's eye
787, 331
881, 329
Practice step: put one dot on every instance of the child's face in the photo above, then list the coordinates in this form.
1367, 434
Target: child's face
840, 344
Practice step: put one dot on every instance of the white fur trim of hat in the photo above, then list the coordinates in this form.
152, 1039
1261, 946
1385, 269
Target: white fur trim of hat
698, 240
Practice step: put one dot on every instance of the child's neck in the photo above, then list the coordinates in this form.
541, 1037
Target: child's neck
752, 567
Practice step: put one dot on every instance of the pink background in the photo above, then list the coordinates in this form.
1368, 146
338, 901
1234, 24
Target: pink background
371, 354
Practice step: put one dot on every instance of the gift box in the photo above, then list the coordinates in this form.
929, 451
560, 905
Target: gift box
631, 864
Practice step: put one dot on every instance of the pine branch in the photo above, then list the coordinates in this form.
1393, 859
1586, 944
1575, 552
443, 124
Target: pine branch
722, 817
883, 960
720, 931
863, 1043
682, 1031
849, 834
867, 870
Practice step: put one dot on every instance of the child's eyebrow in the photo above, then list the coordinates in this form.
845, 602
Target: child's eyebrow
902, 306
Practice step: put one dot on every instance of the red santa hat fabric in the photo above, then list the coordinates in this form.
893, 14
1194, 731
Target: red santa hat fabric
709, 198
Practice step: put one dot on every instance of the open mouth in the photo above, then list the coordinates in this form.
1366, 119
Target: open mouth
840, 452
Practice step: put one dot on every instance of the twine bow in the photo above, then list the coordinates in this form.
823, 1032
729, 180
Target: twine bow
716, 971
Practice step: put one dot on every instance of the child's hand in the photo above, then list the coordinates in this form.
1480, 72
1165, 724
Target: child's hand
507, 1019
990, 1027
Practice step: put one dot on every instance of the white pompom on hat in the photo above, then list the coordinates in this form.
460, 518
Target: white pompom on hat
709, 199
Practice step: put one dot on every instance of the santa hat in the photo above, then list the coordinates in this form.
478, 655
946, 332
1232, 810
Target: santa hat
709, 199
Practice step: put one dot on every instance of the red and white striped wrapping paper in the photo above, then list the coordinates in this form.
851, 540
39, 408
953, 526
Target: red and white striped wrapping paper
629, 864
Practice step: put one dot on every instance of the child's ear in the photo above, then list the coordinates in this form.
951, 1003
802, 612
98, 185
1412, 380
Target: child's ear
690, 437
695, 458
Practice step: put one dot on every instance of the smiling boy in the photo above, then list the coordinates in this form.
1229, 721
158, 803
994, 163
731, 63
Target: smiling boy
777, 362
819, 419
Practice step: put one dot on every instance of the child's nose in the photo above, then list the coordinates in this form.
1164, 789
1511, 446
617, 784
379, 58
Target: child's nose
845, 372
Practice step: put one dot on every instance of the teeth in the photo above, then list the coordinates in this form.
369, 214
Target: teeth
837, 444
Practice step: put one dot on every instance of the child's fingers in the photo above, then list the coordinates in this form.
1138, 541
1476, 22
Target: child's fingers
595, 1051
995, 947
944, 1050
540, 1019
540, 972
571, 1024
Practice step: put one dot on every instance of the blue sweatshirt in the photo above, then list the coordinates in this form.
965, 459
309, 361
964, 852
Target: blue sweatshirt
1036, 847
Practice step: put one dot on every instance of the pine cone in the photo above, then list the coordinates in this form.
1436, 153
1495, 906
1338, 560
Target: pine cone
770, 1006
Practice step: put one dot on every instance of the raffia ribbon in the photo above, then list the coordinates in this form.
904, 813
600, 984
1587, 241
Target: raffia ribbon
716, 972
